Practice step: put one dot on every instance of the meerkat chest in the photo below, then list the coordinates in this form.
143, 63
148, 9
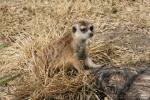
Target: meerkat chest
80, 52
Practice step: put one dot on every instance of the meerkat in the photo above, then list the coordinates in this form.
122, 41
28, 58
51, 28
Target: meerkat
71, 48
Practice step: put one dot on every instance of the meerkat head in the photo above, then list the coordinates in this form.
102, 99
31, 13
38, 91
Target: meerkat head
82, 30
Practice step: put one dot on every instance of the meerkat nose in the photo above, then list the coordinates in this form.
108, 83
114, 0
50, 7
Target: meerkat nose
91, 35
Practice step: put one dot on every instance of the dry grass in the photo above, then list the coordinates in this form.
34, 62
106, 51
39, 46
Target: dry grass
122, 37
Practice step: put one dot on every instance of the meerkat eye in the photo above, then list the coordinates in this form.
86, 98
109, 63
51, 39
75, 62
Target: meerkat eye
74, 29
91, 28
83, 30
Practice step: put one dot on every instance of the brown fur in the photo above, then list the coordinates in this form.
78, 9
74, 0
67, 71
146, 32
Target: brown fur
83, 23
59, 53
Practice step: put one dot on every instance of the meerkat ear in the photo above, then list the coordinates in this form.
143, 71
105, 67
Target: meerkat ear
74, 29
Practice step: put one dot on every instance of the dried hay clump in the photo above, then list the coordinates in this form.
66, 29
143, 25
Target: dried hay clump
35, 82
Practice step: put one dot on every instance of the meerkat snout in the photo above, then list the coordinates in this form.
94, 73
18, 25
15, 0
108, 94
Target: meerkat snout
91, 34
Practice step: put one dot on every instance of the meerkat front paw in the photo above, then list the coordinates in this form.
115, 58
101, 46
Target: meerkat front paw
99, 65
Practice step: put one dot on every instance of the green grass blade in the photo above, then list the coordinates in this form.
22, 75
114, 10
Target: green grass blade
8, 78
3, 46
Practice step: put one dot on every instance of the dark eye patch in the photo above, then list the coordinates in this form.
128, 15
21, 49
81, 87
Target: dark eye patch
83, 30
91, 28
74, 29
